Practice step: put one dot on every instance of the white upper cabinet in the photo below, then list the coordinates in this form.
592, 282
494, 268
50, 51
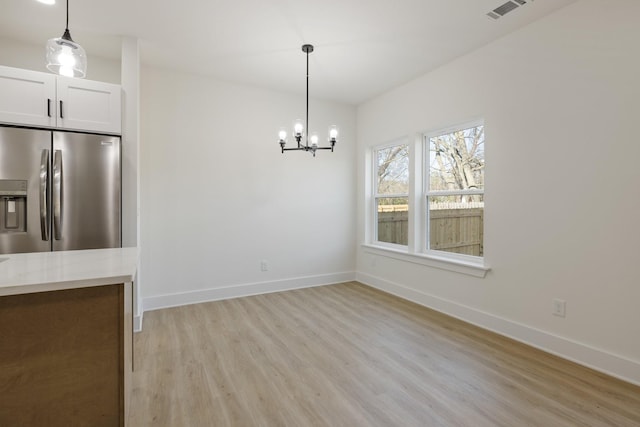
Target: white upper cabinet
32, 98
85, 104
27, 97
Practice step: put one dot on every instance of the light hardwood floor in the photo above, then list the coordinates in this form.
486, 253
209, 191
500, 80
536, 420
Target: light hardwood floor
349, 355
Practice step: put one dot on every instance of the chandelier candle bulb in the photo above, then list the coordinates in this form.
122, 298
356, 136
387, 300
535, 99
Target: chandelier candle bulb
333, 134
314, 140
283, 138
298, 128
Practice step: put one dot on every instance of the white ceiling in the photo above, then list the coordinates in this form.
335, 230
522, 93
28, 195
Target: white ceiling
363, 47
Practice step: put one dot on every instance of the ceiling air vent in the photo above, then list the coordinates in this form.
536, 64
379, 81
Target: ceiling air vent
505, 8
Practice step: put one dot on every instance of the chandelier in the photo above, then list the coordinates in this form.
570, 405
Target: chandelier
310, 142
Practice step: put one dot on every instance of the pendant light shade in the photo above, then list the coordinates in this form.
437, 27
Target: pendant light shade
66, 57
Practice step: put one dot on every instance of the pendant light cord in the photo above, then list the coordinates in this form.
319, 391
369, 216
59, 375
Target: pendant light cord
307, 124
67, 26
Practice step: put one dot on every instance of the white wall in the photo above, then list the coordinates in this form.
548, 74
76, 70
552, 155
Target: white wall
560, 102
217, 196
18, 54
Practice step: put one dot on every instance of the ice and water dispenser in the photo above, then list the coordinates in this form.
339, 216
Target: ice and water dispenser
13, 205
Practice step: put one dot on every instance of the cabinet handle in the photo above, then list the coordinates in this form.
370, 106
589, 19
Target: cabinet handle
61, 115
49, 107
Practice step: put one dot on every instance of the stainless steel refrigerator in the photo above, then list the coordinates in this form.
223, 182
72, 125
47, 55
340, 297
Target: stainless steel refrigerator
58, 191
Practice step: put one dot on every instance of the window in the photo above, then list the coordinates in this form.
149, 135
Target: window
427, 199
392, 194
455, 191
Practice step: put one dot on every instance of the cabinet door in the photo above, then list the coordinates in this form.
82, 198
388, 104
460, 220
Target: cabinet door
27, 97
89, 105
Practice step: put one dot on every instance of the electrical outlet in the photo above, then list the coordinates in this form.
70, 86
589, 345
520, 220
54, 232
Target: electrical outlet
264, 265
559, 307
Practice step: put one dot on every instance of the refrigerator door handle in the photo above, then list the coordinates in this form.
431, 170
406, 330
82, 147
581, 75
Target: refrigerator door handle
44, 177
57, 194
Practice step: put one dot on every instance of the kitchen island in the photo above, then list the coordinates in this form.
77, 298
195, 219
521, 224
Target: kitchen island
66, 337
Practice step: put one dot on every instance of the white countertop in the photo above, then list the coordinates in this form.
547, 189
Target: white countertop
52, 271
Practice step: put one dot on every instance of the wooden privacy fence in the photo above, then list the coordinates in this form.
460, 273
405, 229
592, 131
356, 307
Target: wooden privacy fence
453, 229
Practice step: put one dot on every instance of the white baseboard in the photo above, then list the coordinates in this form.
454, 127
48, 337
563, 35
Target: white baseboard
610, 364
137, 323
243, 290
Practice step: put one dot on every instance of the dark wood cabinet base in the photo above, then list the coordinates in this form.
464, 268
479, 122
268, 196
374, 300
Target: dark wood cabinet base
65, 357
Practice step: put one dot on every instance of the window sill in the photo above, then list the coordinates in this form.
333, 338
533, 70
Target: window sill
469, 267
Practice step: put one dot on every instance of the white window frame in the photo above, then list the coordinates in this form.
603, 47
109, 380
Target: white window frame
376, 195
426, 192
416, 251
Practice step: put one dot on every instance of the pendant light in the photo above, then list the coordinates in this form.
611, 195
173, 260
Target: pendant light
66, 57
311, 142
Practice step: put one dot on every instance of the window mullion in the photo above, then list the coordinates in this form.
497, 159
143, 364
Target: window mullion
454, 192
426, 171
371, 234
415, 240
389, 196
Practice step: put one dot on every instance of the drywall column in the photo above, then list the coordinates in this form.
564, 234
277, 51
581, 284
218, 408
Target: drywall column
130, 77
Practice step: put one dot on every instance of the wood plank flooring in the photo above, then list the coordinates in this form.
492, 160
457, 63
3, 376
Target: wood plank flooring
349, 355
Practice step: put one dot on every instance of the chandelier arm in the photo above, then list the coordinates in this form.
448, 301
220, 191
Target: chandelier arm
305, 148
302, 148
